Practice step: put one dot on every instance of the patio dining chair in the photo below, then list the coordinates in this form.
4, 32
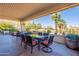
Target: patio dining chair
46, 43
22, 39
30, 42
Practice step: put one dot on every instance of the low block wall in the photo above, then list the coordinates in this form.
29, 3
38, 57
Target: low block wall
59, 39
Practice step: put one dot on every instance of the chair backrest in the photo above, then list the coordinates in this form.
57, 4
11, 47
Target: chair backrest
29, 39
22, 37
50, 39
40, 34
45, 34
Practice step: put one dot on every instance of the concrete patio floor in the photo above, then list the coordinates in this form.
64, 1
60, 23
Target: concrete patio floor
11, 46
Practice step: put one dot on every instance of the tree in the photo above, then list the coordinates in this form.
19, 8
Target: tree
55, 17
31, 26
27, 26
59, 23
7, 26
49, 29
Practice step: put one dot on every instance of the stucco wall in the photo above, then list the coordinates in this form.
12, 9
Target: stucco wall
59, 39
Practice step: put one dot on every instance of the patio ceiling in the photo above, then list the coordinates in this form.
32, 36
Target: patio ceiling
27, 11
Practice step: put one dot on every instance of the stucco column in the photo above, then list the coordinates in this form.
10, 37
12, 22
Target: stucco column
22, 26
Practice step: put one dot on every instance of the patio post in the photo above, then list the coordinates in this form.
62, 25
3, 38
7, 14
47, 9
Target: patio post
22, 27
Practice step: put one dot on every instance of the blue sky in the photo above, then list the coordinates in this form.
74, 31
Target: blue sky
71, 16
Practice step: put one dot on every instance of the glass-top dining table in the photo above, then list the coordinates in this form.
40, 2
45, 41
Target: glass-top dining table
39, 39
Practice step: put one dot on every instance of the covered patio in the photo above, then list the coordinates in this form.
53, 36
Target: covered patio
11, 45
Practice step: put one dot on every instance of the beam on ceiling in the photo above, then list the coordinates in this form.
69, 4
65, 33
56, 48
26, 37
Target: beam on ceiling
51, 11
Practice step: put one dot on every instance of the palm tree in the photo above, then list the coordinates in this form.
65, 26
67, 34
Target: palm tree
59, 23
55, 17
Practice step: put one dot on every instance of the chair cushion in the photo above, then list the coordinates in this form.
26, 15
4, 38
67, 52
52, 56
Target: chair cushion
34, 42
45, 42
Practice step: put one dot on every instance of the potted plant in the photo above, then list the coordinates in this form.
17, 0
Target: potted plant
72, 41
